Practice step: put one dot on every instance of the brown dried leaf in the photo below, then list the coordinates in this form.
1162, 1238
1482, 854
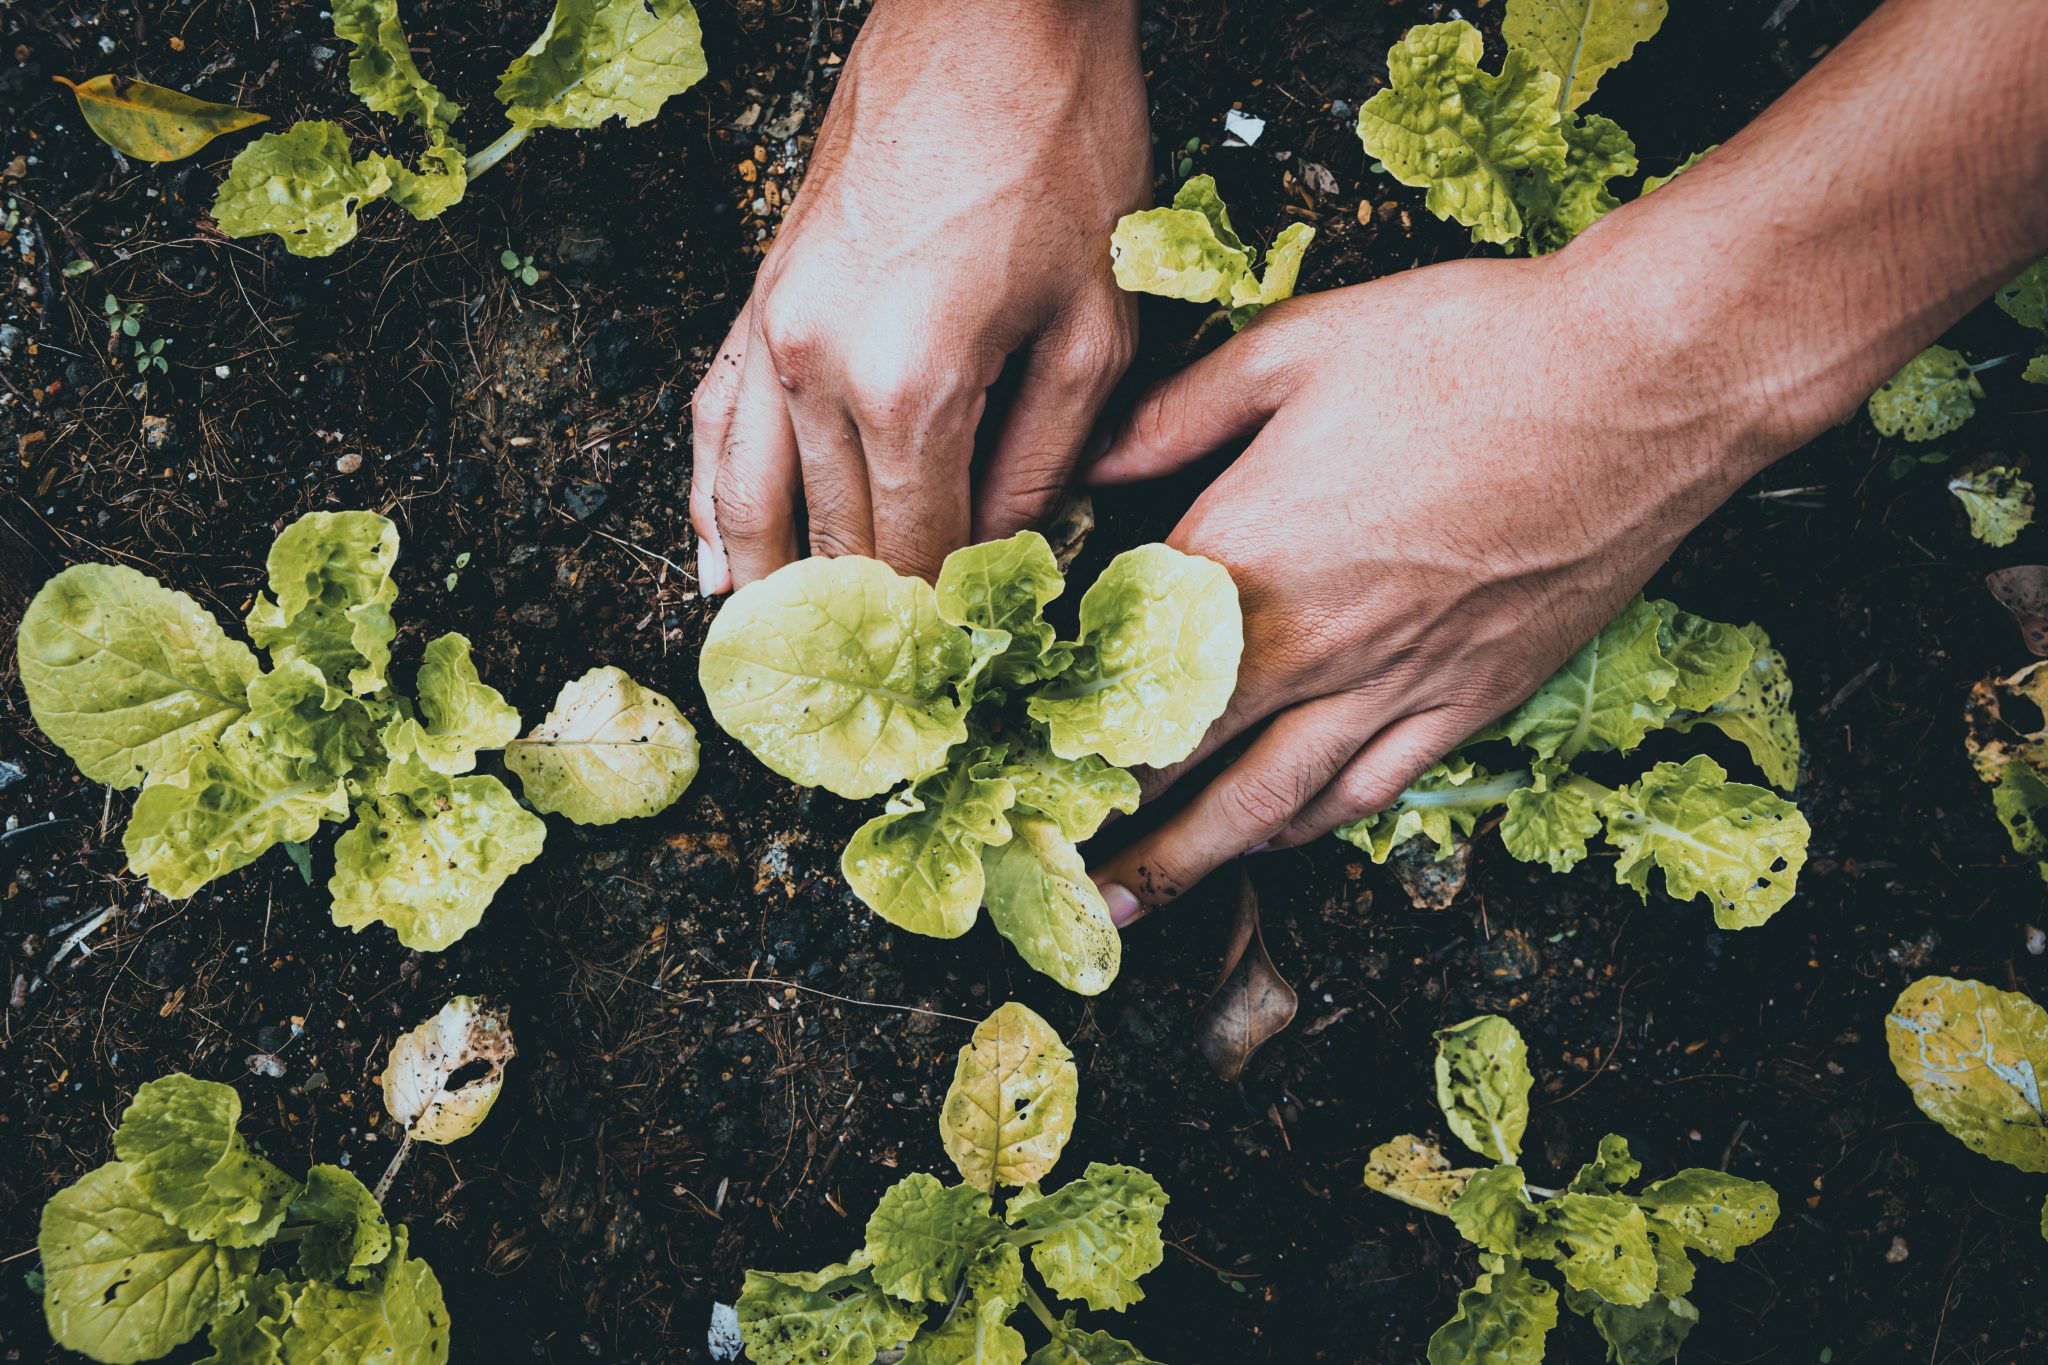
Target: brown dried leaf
1253, 1003
1068, 529
2023, 591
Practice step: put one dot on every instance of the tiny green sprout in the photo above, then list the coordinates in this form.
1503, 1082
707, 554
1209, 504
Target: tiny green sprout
150, 356
122, 320
78, 266
520, 266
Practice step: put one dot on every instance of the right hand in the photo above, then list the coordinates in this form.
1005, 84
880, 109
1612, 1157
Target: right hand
955, 219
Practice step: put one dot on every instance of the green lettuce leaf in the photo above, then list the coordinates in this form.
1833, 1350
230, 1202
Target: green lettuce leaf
976, 1333
1600, 1242
1094, 1237
1449, 796
1482, 1084
396, 1318
837, 673
1933, 395
1974, 1056
998, 591
609, 750
1652, 182
427, 854
919, 863
1188, 251
1417, 1173
382, 72
1611, 1169
1071, 1345
121, 1283
1161, 632
1674, 1267
463, 713
295, 714
304, 185
253, 1332
834, 1316
2000, 503
1011, 1106
1558, 207
1738, 845
1493, 1211
347, 1232
1078, 793
1613, 691
429, 192
1550, 820
1713, 1213
1041, 899
1502, 1319
182, 1150
331, 594
2025, 298
1758, 713
1712, 658
1448, 127
2020, 798
1579, 41
922, 1235
1646, 1335
602, 59
1283, 270
233, 801
124, 674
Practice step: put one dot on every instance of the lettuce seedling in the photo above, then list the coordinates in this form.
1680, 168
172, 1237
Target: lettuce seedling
192, 1229
2025, 301
1508, 154
1973, 1056
941, 1273
596, 60
141, 687
1011, 745
1190, 251
1654, 667
1999, 501
1625, 1258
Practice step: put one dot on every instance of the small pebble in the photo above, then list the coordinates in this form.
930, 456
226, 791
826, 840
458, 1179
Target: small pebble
349, 463
2037, 941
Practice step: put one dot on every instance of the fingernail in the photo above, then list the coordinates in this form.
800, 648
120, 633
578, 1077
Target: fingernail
713, 577
1258, 848
1123, 906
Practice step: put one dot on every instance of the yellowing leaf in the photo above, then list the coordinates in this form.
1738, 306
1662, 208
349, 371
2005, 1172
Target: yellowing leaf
1011, 1106
609, 750
1079, 793
1714, 1213
382, 72
1041, 899
1974, 1056
151, 122
396, 1318
837, 673
600, 59
1758, 713
1415, 1172
124, 674
834, 1316
1446, 801
346, 1232
120, 1282
1558, 207
422, 1061
1612, 692
1188, 251
1933, 395
1283, 269
922, 1235
1600, 1242
1448, 127
1999, 501
1579, 41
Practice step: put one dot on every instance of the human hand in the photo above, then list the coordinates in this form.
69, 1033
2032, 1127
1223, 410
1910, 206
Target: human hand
1457, 476
955, 217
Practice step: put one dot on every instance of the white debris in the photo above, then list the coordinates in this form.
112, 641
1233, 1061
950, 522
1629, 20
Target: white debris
724, 1339
1243, 126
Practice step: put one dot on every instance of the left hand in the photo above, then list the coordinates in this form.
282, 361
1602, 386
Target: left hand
1457, 476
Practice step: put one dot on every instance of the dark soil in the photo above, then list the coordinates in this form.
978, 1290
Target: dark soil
665, 1125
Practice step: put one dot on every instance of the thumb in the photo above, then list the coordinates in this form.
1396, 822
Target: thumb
1225, 396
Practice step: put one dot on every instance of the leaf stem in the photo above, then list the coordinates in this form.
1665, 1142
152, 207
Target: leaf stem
1040, 1311
1993, 362
397, 1160
493, 154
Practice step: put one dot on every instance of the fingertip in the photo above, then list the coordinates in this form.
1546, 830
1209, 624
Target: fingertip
714, 575
1124, 907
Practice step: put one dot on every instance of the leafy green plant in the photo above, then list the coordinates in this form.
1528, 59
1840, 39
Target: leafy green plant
123, 320
1508, 153
1191, 252
152, 355
1654, 667
595, 60
141, 687
941, 1274
1999, 501
192, 1229
1012, 745
2025, 301
1625, 1258
520, 267
1934, 394
1973, 1056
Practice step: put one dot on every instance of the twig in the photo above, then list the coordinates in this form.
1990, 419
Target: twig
76, 938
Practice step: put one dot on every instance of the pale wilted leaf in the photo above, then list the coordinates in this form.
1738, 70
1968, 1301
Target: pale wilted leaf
1415, 1172
1011, 1106
422, 1062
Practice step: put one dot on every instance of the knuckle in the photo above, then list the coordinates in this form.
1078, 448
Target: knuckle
1262, 801
792, 338
742, 516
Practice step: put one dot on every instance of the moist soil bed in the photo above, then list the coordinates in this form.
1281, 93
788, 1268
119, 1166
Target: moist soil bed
723, 1056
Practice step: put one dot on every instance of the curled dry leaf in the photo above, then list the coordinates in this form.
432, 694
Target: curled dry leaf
2023, 591
1068, 530
1253, 1003
423, 1062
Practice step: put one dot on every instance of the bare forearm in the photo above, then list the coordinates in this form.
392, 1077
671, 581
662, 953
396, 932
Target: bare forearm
1890, 191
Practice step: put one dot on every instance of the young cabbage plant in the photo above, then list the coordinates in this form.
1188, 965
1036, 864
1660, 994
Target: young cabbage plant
2011, 759
1191, 252
1625, 1258
595, 60
1654, 667
1010, 744
1973, 1056
942, 1271
2025, 301
1999, 501
1508, 154
191, 1229
141, 687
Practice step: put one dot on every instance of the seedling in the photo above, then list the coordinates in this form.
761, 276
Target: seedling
843, 674
941, 1274
522, 267
1625, 1258
1654, 667
123, 320
596, 60
152, 355
1190, 251
141, 687
191, 1229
